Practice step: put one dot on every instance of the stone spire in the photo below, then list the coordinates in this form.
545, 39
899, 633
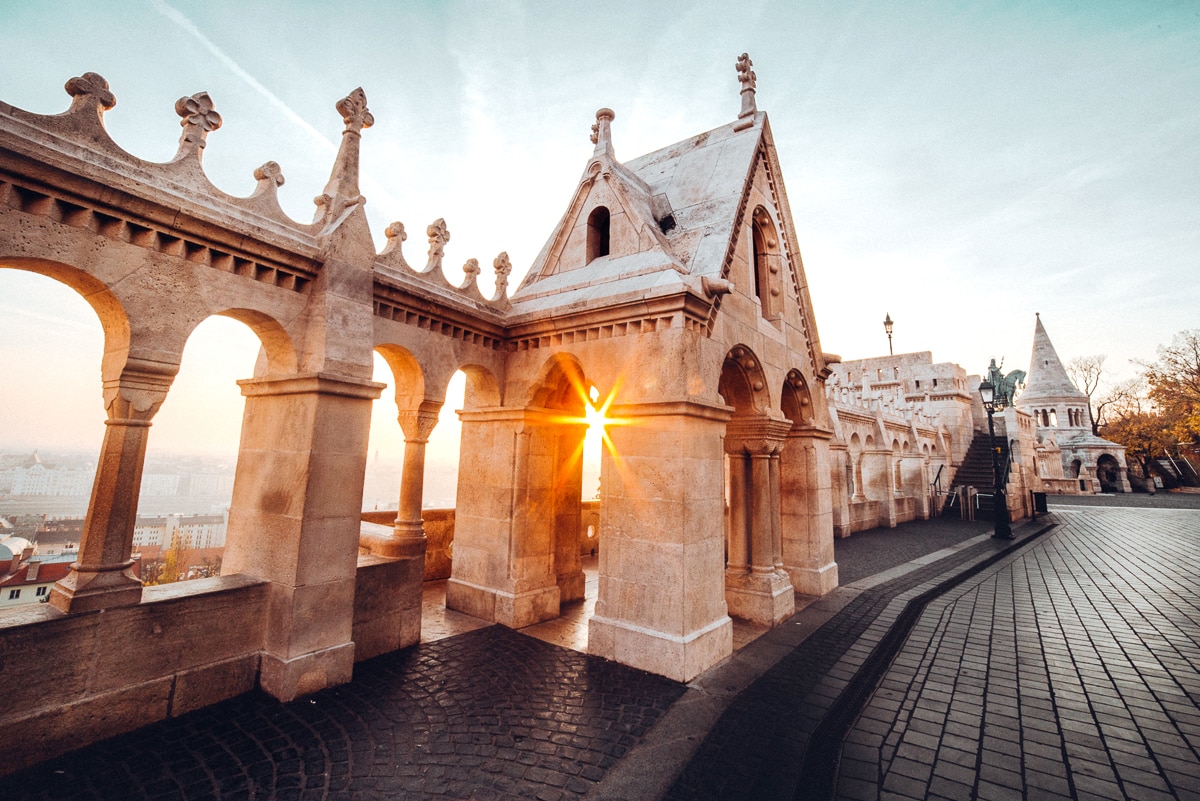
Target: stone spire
602, 132
749, 82
341, 193
1047, 379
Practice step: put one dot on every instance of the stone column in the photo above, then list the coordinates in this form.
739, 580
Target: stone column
661, 604
295, 522
568, 511
762, 522
807, 512
738, 559
103, 577
417, 425
764, 594
504, 528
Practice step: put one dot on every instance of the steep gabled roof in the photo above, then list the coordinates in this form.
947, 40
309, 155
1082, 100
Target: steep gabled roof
685, 200
1047, 379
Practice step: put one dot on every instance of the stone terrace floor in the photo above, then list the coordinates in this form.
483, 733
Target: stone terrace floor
1065, 664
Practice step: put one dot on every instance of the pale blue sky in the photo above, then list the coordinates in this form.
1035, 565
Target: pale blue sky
957, 165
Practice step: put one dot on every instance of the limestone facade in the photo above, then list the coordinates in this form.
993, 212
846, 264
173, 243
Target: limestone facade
672, 289
902, 425
1072, 460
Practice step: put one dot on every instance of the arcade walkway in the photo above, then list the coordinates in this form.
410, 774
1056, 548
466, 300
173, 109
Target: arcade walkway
1065, 664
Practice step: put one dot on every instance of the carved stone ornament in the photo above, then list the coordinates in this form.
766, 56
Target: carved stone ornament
471, 269
715, 287
392, 253
595, 137
439, 235
199, 117
749, 82
91, 85
354, 111
271, 172
503, 269
396, 231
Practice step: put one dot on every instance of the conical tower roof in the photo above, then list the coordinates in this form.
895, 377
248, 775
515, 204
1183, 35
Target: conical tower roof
1047, 379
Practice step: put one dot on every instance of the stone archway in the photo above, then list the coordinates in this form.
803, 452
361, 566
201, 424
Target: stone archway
517, 527
756, 586
806, 510
1108, 472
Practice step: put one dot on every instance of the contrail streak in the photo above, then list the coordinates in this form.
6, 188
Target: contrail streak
183, 22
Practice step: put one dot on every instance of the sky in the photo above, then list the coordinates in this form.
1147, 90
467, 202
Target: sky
957, 166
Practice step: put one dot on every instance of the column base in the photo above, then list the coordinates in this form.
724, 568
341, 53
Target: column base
814, 580
87, 590
678, 658
767, 599
515, 610
287, 679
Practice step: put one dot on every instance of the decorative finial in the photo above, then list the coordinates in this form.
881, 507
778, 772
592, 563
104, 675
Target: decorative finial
438, 235
396, 231
198, 120
341, 193
271, 171
90, 85
749, 82
392, 253
354, 111
602, 131
503, 268
471, 269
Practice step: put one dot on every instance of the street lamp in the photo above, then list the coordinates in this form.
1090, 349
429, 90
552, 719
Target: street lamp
1002, 530
887, 326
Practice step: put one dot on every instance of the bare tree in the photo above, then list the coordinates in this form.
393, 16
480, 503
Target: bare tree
1087, 372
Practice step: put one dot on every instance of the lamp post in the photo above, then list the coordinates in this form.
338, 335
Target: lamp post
887, 326
1002, 530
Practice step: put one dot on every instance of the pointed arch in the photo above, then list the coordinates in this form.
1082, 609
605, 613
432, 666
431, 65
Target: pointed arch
598, 233
743, 384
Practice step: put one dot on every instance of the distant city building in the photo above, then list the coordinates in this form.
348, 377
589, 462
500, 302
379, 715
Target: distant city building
26, 577
29, 475
192, 531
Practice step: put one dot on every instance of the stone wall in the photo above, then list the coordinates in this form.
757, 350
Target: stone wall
76, 679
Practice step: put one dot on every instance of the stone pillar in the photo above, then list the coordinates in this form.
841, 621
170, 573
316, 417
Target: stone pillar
417, 425
738, 558
568, 512
295, 521
103, 577
507, 529
762, 521
764, 593
776, 511
840, 477
807, 511
661, 604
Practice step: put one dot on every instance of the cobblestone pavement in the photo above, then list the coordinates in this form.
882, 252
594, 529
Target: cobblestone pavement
1071, 672
1063, 665
491, 714
1069, 669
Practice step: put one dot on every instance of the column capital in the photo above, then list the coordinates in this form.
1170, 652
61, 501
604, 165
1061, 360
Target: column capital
417, 424
757, 436
134, 396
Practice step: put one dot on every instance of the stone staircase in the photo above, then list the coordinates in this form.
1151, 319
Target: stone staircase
976, 469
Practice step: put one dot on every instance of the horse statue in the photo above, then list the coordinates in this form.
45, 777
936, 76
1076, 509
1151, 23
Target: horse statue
1006, 386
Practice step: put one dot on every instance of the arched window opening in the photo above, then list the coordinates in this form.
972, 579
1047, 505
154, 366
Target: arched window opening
598, 233
190, 460
1054, 418
764, 264
759, 266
